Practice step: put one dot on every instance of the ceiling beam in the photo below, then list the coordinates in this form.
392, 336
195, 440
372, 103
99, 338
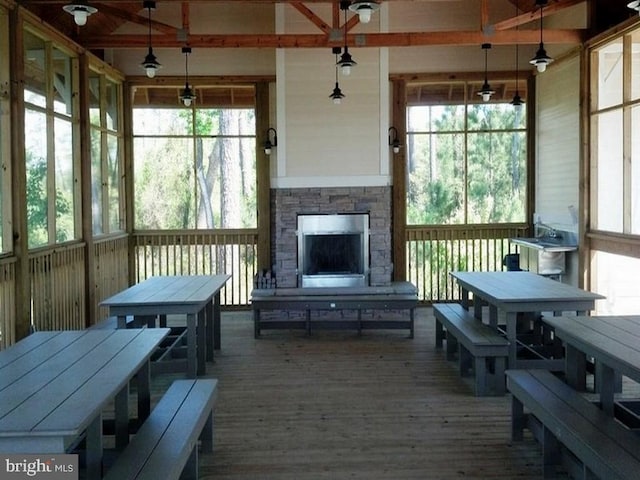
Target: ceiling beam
407, 39
535, 15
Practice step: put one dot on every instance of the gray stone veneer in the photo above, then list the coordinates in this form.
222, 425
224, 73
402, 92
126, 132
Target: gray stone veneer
288, 203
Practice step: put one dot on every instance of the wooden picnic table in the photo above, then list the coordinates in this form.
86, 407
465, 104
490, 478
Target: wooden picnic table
55, 385
195, 296
612, 341
511, 293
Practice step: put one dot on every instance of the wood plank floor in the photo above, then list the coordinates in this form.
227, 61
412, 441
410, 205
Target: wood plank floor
336, 405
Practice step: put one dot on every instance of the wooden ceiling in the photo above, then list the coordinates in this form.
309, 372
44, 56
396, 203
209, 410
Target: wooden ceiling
99, 32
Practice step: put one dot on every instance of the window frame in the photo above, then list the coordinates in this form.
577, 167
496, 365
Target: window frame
6, 241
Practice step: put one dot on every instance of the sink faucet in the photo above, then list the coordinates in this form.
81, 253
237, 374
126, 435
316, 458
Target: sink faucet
551, 232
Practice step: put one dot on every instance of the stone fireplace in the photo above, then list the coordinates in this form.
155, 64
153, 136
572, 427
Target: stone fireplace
290, 204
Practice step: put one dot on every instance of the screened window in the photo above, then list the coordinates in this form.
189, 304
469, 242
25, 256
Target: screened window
615, 153
106, 154
466, 161
50, 114
5, 164
194, 168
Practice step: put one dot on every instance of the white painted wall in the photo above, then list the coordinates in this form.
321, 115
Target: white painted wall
558, 150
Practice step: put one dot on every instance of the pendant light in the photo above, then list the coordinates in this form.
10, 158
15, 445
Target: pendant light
541, 60
337, 94
364, 10
486, 91
635, 5
186, 95
346, 62
517, 101
150, 63
80, 11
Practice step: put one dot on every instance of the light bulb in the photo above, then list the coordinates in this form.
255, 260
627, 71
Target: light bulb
486, 96
80, 16
337, 101
396, 149
151, 71
364, 14
541, 66
346, 70
267, 151
186, 101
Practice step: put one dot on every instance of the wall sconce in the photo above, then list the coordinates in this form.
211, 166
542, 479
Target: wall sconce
268, 145
394, 142
80, 12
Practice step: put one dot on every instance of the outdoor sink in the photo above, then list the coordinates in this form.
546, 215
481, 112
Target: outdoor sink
547, 244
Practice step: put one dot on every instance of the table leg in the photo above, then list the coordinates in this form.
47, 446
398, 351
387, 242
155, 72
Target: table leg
477, 307
216, 321
512, 324
94, 448
201, 334
493, 316
192, 365
122, 321
464, 298
208, 320
607, 387
122, 417
576, 368
256, 322
143, 386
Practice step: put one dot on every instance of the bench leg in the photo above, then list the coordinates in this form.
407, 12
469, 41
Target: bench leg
411, 323
206, 436
480, 367
550, 453
190, 471
465, 360
452, 346
256, 322
498, 375
518, 420
439, 333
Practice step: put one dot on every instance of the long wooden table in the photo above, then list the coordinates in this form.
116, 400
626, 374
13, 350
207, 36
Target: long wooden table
195, 296
511, 293
612, 341
54, 387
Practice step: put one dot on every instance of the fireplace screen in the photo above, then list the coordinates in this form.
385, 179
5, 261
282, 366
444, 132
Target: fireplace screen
333, 250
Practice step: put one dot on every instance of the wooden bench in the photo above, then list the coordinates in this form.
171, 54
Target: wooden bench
571, 429
397, 296
166, 445
477, 345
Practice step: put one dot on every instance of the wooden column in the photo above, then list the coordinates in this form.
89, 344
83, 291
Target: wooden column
19, 183
399, 192
263, 187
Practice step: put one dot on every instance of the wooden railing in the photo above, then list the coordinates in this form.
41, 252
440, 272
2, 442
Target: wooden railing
7, 301
58, 287
201, 252
111, 270
434, 251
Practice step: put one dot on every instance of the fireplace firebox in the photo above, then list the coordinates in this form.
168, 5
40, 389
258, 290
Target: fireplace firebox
333, 250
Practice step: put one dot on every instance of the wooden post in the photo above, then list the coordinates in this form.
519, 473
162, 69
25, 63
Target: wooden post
263, 187
399, 171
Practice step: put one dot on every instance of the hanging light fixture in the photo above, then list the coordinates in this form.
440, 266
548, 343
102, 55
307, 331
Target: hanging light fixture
541, 60
635, 5
394, 142
364, 10
346, 62
80, 11
517, 101
486, 91
337, 94
186, 95
150, 62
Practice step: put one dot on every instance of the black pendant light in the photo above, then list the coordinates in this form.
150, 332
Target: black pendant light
486, 91
364, 9
150, 62
337, 94
541, 60
517, 101
346, 62
186, 95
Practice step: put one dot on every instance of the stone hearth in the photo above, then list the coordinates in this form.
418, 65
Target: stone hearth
287, 204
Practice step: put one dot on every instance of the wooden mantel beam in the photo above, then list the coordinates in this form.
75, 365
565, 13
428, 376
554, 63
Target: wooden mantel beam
408, 39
